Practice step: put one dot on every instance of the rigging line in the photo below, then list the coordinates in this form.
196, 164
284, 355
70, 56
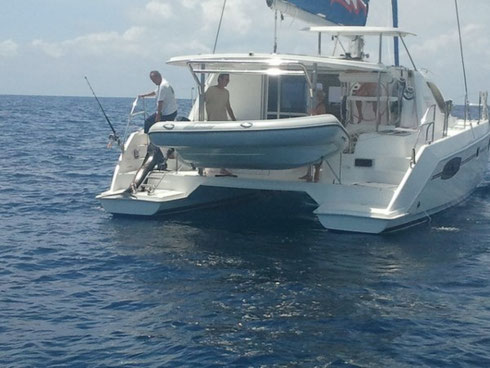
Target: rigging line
466, 102
219, 26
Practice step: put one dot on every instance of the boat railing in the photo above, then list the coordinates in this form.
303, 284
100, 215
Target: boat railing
133, 113
427, 125
447, 113
483, 107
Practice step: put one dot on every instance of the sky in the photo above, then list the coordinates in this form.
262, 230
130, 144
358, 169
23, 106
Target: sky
48, 46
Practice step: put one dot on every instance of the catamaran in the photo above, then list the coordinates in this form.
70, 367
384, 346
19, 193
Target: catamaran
387, 154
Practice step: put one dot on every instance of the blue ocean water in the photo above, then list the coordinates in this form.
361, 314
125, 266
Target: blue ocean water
254, 284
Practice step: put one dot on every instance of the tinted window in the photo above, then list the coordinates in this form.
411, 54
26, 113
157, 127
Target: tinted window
293, 95
272, 103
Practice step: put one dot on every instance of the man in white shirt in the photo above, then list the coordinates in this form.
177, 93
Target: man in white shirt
218, 100
166, 108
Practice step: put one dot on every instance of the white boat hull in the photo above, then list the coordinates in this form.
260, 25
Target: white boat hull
427, 189
163, 201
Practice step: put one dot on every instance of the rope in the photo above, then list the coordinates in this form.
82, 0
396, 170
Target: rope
219, 26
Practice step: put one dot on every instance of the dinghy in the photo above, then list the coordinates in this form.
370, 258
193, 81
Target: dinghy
276, 144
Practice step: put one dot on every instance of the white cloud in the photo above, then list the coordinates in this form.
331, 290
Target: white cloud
157, 8
94, 43
474, 38
134, 34
238, 16
8, 48
104, 43
51, 49
190, 4
155, 13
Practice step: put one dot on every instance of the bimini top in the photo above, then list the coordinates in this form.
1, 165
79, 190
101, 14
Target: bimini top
360, 31
260, 63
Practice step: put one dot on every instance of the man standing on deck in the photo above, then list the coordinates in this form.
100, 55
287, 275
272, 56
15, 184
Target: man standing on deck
165, 99
218, 100
166, 110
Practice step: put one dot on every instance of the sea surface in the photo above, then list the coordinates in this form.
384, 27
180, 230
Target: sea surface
255, 284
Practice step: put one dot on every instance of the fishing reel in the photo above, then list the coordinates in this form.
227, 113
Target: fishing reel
113, 138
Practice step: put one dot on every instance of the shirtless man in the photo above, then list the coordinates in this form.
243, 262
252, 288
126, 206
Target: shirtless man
218, 105
218, 100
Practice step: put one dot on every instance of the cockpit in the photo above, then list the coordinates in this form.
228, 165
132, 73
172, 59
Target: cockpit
362, 96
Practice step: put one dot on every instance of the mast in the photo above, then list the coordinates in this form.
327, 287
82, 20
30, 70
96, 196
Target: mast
219, 26
466, 101
394, 11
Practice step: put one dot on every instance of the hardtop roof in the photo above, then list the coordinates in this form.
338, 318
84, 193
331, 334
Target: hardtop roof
229, 62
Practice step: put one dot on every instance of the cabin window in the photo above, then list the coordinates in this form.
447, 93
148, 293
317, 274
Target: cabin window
290, 94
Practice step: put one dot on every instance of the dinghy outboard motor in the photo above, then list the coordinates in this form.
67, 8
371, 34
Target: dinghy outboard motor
153, 158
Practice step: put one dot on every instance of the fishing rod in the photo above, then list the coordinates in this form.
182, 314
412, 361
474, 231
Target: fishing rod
113, 137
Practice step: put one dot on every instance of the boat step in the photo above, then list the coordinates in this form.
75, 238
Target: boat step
361, 197
350, 209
